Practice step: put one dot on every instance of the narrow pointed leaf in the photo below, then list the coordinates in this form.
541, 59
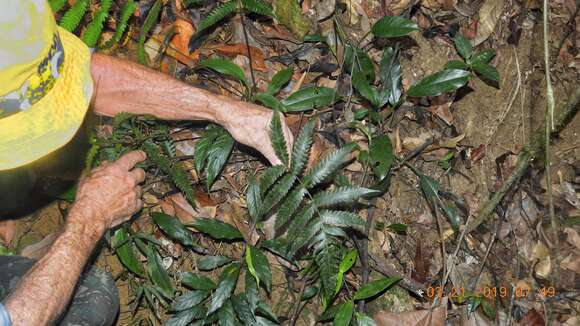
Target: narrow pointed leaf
361, 84
327, 166
254, 199
197, 282
309, 98
393, 26
486, 71
439, 83
189, 300
456, 64
277, 138
347, 262
217, 229
224, 67
173, 228
125, 250
259, 266
484, 56
280, 79
381, 156
301, 149
270, 101
227, 315
209, 263
344, 314
226, 286
373, 288
158, 274
392, 77
463, 46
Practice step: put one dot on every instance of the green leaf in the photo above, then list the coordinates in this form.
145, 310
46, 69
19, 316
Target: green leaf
488, 309
269, 101
456, 64
95, 27
259, 7
277, 138
271, 175
266, 311
277, 193
344, 314
381, 156
393, 26
197, 282
227, 315
150, 20
126, 13
184, 318
209, 263
392, 78
289, 14
328, 165
289, 206
361, 84
309, 293
347, 262
398, 228
125, 250
217, 14
225, 67
259, 266
157, 273
217, 157
341, 195
280, 79
486, 71
439, 83
254, 199
357, 60
452, 217
301, 149
243, 310
56, 5
189, 300
430, 188
342, 219
373, 288
309, 98
314, 38
463, 46
216, 229
71, 19
484, 56
226, 286
173, 228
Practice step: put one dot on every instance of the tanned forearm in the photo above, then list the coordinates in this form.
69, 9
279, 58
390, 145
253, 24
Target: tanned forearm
123, 86
45, 290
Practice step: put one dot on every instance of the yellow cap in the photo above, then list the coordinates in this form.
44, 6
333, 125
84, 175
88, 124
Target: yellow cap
45, 83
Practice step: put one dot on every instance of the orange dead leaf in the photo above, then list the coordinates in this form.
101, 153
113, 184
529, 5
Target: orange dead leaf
180, 42
231, 50
7, 231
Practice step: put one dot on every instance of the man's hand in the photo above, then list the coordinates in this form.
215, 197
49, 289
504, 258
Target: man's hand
249, 124
111, 192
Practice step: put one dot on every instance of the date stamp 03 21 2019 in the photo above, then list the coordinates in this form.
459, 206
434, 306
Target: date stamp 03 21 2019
490, 292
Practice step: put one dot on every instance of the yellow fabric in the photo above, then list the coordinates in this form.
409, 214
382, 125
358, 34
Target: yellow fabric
51, 122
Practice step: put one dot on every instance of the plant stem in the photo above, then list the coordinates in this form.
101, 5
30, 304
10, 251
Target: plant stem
249, 55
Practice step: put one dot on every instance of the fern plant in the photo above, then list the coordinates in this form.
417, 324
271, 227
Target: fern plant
225, 9
307, 221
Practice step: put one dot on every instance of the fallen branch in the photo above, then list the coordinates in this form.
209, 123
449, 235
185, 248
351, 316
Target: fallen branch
530, 152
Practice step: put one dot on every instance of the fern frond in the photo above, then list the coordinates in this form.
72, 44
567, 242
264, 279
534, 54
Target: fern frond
277, 138
341, 195
271, 175
278, 192
328, 260
342, 219
327, 166
151, 19
289, 206
218, 14
73, 16
56, 5
126, 13
259, 7
180, 179
296, 228
95, 27
169, 148
301, 149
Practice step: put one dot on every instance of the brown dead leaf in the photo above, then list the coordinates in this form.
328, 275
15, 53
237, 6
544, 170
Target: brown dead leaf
7, 231
180, 42
232, 50
433, 317
572, 263
489, 15
177, 205
572, 237
443, 111
533, 318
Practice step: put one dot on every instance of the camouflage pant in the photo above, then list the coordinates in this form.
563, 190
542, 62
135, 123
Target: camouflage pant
95, 300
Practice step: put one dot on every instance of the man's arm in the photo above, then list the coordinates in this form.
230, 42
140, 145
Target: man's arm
107, 197
124, 86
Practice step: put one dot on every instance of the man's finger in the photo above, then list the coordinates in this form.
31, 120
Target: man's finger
138, 175
128, 161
